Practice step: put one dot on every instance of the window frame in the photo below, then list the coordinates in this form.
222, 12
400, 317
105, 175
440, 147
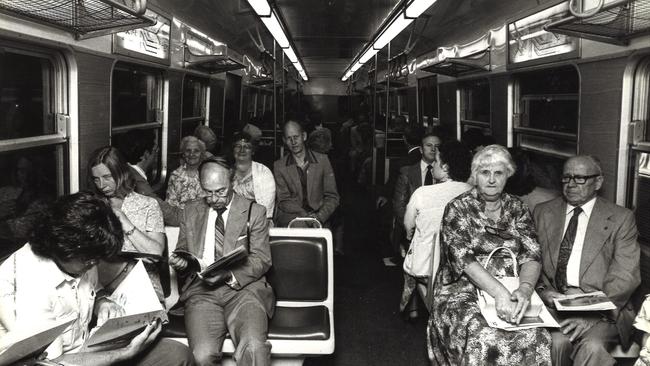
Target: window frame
161, 123
59, 100
204, 95
463, 121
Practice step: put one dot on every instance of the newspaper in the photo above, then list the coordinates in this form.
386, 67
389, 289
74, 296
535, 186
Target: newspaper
592, 301
543, 320
22, 344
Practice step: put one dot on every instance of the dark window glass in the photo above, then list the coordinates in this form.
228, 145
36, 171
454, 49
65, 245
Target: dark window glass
475, 99
428, 99
134, 142
136, 96
216, 105
31, 180
193, 97
549, 100
25, 96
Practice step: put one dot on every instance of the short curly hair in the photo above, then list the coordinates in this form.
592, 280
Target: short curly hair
78, 226
490, 155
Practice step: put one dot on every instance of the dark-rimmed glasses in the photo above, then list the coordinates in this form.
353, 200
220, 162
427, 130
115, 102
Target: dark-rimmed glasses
578, 179
501, 233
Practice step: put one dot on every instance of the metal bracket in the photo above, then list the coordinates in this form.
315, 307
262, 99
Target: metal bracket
62, 121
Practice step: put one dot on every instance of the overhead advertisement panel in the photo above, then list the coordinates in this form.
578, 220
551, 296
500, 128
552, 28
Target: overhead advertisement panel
148, 43
529, 43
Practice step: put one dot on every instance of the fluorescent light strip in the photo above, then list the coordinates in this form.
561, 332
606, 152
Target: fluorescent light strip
273, 25
291, 54
396, 27
368, 55
417, 7
261, 7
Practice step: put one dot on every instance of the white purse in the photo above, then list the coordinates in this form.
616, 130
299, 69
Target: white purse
419, 258
486, 301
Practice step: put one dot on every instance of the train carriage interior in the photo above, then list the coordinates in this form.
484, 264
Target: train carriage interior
549, 78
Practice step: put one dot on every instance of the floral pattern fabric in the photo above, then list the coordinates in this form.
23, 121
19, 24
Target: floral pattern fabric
457, 332
184, 186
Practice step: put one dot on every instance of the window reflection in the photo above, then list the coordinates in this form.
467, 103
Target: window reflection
136, 96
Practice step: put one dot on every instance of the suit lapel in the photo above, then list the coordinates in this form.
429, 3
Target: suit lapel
294, 179
415, 176
555, 229
598, 230
201, 223
236, 221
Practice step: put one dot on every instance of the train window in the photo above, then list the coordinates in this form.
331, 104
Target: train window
475, 103
137, 112
546, 110
428, 94
216, 106
33, 144
194, 104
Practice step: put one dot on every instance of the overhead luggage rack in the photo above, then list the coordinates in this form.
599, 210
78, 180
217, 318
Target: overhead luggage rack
221, 60
83, 18
454, 66
617, 22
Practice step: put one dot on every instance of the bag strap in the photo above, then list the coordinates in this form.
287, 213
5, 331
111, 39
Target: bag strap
248, 221
512, 255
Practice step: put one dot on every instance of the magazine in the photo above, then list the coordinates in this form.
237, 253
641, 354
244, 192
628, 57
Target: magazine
592, 301
226, 261
141, 306
543, 320
20, 344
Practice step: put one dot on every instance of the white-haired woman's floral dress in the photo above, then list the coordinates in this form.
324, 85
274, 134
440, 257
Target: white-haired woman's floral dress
458, 333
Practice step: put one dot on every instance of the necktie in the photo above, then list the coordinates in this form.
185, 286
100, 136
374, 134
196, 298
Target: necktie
219, 231
565, 250
428, 178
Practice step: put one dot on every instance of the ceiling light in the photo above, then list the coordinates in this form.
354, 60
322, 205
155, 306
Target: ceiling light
368, 55
273, 25
395, 28
261, 7
356, 67
417, 7
291, 54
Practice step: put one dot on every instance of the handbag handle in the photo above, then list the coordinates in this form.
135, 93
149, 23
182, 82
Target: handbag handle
306, 220
512, 255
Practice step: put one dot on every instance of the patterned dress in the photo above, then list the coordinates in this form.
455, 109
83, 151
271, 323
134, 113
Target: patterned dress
458, 333
184, 186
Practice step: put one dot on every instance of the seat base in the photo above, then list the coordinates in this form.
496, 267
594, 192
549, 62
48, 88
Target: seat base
632, 352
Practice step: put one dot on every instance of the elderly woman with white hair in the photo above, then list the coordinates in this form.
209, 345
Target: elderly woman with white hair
184, 184
475, 223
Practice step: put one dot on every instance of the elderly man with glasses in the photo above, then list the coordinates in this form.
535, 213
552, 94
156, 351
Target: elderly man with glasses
588, 244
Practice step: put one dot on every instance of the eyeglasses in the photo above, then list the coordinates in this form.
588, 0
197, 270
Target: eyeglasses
243, 147
220, 193
578, 179
501, 233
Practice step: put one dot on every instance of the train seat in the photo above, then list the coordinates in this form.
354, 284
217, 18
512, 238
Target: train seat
302, 278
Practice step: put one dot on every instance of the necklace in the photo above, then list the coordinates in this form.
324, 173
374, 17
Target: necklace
497, 208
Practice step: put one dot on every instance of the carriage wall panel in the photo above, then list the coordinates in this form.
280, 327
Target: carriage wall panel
499, 108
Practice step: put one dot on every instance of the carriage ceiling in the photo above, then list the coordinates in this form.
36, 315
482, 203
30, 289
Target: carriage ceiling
329, 33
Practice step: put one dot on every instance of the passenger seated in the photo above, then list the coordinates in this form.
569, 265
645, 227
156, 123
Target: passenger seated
642, 323
184, 185
304, 180
205, 134
588, 244
423, 216
55, 275
524, 184
252, 180
238, 301
141, 217
474, 224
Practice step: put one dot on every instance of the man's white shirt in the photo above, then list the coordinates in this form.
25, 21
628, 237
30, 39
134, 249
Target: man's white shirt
573, 266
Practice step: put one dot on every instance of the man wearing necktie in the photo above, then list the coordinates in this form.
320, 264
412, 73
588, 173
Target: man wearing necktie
238, 301
411, 178
588, 244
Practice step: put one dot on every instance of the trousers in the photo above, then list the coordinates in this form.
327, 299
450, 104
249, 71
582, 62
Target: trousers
592, 348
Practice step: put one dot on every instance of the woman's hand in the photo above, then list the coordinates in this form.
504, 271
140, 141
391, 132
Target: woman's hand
108, 308
126, 223
504, 306
522, 296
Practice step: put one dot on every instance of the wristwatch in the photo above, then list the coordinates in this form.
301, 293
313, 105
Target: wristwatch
130, 232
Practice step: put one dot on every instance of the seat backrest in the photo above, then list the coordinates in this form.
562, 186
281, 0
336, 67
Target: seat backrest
300, 264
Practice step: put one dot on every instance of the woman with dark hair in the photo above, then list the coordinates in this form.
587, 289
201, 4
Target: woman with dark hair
252, 180
426, 206
54, 278
523, 183
141, 217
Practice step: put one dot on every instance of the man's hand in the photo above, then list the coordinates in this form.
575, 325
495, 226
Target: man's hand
381, 201
108, 308
548, 296
575, 327
177, 262
143, 340
522, 296
218, 279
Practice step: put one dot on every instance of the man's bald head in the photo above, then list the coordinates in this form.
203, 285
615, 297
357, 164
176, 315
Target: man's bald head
215, 177
294, 137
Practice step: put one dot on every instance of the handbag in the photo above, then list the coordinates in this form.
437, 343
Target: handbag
487, 303
417, 262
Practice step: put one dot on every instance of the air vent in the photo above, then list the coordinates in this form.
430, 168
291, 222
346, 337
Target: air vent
83, 18
617, 22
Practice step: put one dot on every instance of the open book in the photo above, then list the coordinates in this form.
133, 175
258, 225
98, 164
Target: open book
227, 261
20, 344
592, 301
141, 306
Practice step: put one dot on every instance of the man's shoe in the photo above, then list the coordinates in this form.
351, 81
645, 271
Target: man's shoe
389, 262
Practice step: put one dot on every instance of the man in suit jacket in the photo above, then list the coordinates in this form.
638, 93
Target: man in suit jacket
588, 244
238, 301
304, 180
